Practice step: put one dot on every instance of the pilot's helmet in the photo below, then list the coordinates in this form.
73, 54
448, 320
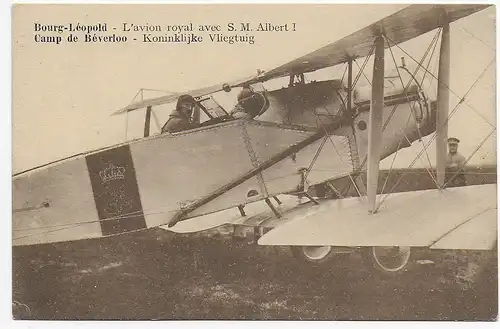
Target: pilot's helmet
183, 99
185, 103
453, 141
245, 93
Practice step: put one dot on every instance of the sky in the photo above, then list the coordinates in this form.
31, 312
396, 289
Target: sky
63, 94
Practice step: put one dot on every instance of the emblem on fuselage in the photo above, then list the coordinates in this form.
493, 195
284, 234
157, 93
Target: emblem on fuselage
112, 172
115, 189
120, 203
113, 179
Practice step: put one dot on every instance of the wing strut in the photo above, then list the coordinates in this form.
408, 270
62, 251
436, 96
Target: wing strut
349, 86
375, 124
147, 121
443, 97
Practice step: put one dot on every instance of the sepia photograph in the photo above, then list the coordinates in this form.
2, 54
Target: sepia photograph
254, 162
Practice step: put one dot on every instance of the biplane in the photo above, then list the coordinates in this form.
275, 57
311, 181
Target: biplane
249, 173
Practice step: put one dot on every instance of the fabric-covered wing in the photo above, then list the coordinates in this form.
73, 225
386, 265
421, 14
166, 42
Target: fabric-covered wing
454, 218
402, 26
254, 211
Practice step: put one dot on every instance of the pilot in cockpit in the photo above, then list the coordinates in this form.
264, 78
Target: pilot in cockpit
185, 116
250, 104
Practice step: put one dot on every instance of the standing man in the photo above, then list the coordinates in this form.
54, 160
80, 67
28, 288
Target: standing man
455, 163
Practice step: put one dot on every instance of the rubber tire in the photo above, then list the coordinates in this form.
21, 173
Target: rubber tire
369, 260
330, 257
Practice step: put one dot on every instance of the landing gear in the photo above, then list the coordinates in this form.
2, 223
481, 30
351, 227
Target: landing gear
318, 255
389, 261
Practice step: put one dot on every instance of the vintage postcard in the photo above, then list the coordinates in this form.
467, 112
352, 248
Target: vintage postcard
254, 162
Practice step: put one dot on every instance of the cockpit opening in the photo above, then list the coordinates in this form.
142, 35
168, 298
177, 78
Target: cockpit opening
194, 112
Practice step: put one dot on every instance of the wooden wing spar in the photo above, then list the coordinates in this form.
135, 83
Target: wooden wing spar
399, 27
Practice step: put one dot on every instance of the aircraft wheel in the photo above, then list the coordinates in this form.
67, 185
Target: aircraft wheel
387, 260
317, 254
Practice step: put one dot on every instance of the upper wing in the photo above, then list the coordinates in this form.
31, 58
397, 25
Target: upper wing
399, 27
173, 97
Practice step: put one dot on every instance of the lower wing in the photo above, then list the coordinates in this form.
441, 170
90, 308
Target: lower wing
453, 218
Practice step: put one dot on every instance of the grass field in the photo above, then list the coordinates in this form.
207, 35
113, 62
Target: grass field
155, 275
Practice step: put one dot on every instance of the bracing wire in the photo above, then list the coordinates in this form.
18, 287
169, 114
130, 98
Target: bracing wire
394, 159
126, 114
318, 152
328, 136
363, 72
169, 92
367, 58
434, 135
407, 122
338, 153
386, 123
157, 122
343, 75
477, 38
449, 116
462, 99
59, 227
356, 79
432, 54
470, 157
412, 105
428, 171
